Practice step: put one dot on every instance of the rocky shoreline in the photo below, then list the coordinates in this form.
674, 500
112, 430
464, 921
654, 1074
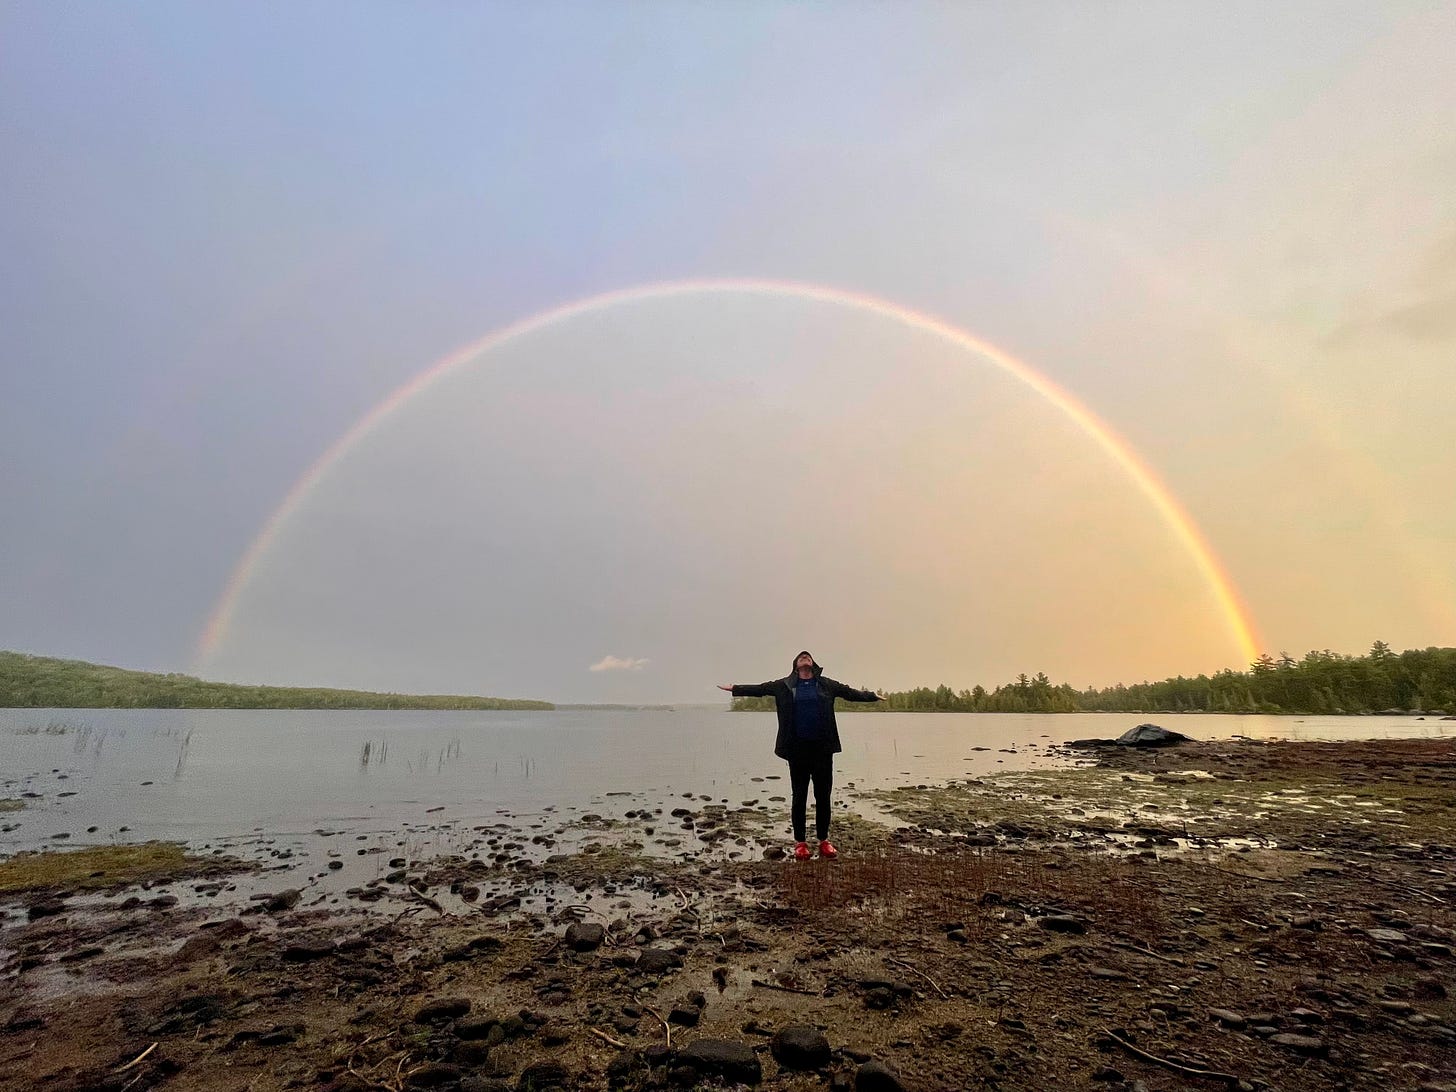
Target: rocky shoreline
1214, 915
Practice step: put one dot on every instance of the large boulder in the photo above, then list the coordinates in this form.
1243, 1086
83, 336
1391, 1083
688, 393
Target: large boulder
1150, 735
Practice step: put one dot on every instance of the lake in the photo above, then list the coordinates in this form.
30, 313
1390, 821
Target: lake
195, 774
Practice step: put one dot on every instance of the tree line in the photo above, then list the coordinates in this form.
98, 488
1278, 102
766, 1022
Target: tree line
40, 682
1418, 680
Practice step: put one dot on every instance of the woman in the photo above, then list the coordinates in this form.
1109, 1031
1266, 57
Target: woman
808, 739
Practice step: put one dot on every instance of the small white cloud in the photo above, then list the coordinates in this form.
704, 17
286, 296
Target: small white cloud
618, 663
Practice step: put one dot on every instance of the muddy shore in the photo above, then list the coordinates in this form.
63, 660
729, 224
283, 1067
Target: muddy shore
1216, 915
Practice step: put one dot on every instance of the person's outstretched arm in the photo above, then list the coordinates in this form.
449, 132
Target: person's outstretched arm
749, 690
849, 693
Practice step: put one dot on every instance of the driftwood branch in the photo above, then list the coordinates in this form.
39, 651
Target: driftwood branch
138, 1059
1168, 1063
786, 989
666, 1027
604, 1037
922, 974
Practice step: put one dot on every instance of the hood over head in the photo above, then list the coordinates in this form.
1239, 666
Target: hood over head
794, 666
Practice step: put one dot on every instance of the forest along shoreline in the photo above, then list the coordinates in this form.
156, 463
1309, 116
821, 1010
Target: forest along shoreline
1231, 914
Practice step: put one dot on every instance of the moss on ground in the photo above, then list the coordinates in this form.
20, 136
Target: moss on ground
11, 804
100, 867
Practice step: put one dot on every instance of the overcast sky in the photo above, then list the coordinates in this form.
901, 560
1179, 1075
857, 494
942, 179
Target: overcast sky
230, 231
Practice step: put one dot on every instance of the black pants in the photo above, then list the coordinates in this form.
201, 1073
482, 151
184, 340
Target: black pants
811, 761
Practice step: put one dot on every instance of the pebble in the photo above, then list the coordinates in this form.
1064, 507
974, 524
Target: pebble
878, 1076
800, 1047
1304, 1044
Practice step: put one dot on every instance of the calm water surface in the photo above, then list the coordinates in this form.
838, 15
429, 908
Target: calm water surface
201, 775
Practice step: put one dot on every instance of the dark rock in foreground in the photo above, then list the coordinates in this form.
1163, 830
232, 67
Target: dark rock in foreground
800, 1048
442, 1009
585, 936
876, 1076
720, 1057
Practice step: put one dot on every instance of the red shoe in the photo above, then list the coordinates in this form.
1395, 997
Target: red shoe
801, 851
826, 849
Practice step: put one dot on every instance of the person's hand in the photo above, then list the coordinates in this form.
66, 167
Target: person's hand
727, 688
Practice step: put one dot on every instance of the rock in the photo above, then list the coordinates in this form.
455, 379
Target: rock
1107, 974
657, 961
284, 900
585, 936
433, 1075
1228, 1018
1429, 988
46, 909
1062, 923
304, 953
473, 1027
1303, 1044
1150, 735
800, 1047
471, 1052
723, 1058
543, 1075
1386, 936
877, 1076
280, 1035
442, 1009
684, 1015
881, 997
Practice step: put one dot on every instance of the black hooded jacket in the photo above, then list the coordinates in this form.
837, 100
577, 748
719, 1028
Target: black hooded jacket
782, 692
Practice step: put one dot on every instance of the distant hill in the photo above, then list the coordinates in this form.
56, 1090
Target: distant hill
31, 682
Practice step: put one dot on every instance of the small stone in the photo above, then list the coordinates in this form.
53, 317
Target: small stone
46, 909
880, 997
1062, 923
657, 961
473, 1027
1386, 936
541, 1075
433, 1075
284, 900
800, 1047
684, 1015
878, 1076
442, 1009
722, 1057
1228, 1018
585, 936
304, 953
1303, 1044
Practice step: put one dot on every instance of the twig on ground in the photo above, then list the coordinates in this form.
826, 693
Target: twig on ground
604, 1037
1250, 876
922, 974
786, 989
426, 900
666, 1027
1168, 1063
137, 1060
1146, 952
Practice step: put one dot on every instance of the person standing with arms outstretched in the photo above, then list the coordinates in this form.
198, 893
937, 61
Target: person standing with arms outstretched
808, 740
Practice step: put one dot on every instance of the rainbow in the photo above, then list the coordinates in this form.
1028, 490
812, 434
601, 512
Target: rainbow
1177, 520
